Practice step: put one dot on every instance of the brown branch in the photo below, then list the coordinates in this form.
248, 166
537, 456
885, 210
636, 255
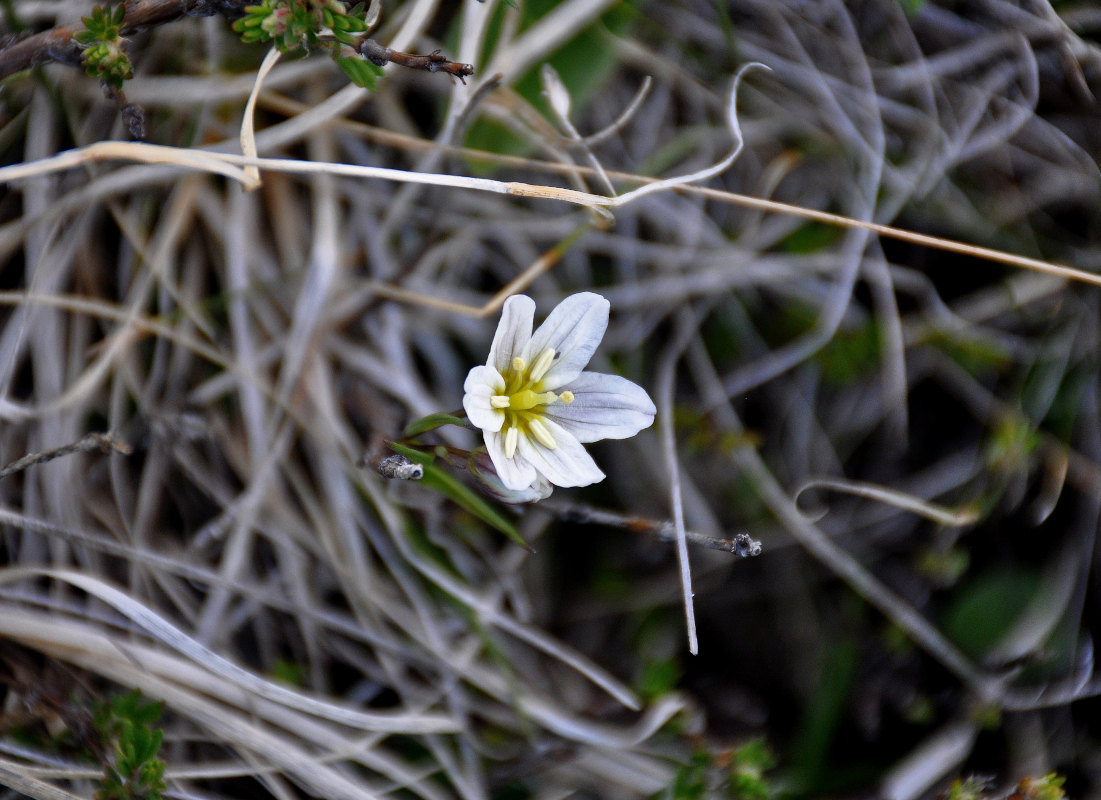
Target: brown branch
741, 545
104, 442
381, 55
57, 44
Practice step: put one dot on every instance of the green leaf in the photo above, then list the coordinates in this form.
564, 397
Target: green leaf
988, 606
361, 71
659, 678
810, 759
811, 237
351, 23
463, 496
429, 423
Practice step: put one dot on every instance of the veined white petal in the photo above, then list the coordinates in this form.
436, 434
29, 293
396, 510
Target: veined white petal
513, 331
568, 464
603, 407
515, 473
484, 379
481, 384
573, 330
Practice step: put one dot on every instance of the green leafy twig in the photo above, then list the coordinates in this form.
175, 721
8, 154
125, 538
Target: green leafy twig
291, 24
305, 24
104, 55
736, 775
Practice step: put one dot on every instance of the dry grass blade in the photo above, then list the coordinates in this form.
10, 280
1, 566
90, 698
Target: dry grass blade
13, 777
171, 636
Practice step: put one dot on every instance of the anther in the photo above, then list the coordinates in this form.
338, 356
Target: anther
541, 433
511, 437
518, 365
566, 397
499, 401
541, 365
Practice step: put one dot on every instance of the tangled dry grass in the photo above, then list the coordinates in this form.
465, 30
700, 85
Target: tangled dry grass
316, 630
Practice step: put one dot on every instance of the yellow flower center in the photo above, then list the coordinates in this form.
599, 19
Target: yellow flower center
524, 399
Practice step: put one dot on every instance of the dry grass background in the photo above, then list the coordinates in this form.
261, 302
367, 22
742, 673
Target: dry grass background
250, 350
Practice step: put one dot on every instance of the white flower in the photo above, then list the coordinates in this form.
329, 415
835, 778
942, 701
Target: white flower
536, 406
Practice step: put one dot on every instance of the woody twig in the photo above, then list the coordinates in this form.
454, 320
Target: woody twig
741, 545
58, 44
104, 442
380, 55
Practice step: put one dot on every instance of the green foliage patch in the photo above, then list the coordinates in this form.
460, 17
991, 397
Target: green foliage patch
738, 774
301, 24
132, 771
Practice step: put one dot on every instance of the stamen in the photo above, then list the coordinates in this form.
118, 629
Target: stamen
541, 365
511, 437
566, 397
518, 365
541, 433
499, 401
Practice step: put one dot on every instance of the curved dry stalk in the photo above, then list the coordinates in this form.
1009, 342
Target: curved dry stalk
923, 633
217, 163
932, 511
224, 164
248, 120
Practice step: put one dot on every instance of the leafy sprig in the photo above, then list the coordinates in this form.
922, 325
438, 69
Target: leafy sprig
736, 775
291, 24
132, 771
104, 55
304, 24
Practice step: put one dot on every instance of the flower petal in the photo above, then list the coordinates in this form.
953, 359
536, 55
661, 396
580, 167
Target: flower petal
481, 465
603, 407
515, 473
513, 331
573, 329
568, 464
480, 385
